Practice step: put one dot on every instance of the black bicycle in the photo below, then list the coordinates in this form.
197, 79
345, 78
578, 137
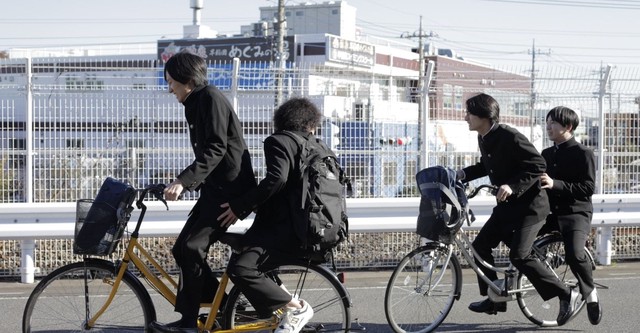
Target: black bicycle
427, 281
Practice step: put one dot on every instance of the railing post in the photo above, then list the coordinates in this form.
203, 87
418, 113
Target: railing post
28, 177
27, 266
234, 83
603, 245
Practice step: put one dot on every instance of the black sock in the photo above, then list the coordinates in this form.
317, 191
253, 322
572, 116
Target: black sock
188, 323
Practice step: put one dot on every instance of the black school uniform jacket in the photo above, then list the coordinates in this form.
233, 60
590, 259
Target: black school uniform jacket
222, 162
571, 165
277, 199
508, 157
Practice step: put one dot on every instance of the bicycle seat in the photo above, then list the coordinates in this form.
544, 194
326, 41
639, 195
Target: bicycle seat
234, 240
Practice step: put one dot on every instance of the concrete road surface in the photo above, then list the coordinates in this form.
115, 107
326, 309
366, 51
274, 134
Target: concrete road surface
620, 301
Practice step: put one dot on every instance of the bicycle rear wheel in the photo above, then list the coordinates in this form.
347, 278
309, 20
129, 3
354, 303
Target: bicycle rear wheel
550, 250
422, 289
321, 289
64, 299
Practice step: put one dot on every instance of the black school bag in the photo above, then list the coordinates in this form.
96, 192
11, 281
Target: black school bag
443, 204
99, 229
323, 202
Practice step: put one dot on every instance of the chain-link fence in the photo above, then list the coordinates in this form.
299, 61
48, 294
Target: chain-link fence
69, 123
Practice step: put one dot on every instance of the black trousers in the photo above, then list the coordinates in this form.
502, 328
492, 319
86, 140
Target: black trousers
197, 281
575, 229
519, 237
245, 270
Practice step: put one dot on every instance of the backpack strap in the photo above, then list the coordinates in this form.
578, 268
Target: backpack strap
304, 160
447, 192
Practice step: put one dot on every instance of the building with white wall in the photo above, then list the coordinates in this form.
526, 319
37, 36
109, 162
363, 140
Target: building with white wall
331, 17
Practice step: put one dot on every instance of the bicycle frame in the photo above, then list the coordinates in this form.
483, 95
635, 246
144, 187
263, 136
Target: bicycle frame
469, 253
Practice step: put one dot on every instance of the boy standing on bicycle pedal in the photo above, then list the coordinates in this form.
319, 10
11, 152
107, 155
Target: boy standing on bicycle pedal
275, 232
515, 166
570, 183
220, 170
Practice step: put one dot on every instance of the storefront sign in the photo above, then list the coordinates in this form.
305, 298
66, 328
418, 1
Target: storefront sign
351, 52
225, 49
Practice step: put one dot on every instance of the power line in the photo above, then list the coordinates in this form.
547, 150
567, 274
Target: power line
591, 4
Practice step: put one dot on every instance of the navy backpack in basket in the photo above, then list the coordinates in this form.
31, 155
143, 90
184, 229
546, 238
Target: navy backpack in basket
443, 204
100, 223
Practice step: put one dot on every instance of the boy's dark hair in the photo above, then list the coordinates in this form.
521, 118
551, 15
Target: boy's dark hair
185, 66
484, 106
297, 114
564, 116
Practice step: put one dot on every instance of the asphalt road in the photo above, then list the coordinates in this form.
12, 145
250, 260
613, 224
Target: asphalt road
620, 302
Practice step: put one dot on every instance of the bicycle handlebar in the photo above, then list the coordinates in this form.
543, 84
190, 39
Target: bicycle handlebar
158, 192
492, 189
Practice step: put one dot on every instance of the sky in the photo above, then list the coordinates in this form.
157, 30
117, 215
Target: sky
584, 33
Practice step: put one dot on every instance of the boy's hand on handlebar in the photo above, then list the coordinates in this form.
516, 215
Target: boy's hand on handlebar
173, 191
228, 217
504, 191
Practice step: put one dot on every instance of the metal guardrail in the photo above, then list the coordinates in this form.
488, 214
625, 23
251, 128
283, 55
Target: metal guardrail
28, 221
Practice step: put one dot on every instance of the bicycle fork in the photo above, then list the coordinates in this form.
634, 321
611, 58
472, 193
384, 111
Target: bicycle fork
430, 262
90, 321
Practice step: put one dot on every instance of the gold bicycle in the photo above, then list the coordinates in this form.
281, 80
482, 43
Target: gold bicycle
98, 295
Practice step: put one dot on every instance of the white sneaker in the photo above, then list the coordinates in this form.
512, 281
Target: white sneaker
294, 320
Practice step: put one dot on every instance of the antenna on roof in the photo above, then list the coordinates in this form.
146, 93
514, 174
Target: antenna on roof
197, 6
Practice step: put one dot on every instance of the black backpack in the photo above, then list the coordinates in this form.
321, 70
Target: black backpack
323, 202
443, 204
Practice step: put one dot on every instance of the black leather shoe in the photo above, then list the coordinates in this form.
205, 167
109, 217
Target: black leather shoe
170, 328
568, 307
594, 312
488, 307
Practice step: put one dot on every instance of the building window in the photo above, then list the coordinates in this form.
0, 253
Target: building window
359, 172
299, 13
521, 108
410, 170
135, 143
17, 144
390, 173
314, 49
361, 112
447, 97
457, 90
75, 143
334, 11
89, 83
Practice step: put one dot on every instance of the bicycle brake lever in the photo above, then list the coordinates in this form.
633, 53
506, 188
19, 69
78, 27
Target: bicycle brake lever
158, 194
471, 217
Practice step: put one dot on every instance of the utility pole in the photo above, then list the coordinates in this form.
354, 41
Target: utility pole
605, 75
423, 94
280, 60
532, 104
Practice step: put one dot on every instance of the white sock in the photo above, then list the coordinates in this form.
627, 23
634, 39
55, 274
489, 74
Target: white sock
593, 296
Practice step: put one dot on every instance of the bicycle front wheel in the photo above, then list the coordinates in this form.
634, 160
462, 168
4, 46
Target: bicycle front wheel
315, 284
550, 250
65, 299
422, 289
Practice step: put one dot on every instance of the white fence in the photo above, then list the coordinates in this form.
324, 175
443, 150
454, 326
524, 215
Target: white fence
28, 222
66, 124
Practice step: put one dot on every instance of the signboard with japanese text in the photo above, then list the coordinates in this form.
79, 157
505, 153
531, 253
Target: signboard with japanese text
350, 52
225, 49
